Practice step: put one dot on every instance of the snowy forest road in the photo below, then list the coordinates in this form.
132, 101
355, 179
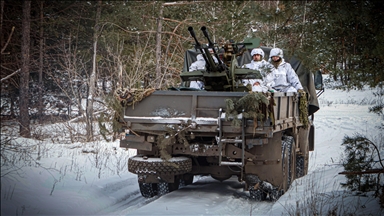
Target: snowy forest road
206, 196
71, 179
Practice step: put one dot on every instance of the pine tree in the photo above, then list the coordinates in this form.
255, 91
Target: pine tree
359, 156
347, 38
362, 157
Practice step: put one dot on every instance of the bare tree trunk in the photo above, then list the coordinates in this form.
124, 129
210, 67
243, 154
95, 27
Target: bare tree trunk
41, 63
79, 100
303, 31
92, 79
1, 16
24, 76
158, 46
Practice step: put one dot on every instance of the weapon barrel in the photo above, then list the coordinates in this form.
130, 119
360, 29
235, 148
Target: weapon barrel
221, 65
198, 45
204, 30
192, 32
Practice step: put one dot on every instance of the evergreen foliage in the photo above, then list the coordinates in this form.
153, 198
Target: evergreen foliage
359, 156
379, 106
113, 119
255, 105
343, 38
303, 107
174, 134
348, 38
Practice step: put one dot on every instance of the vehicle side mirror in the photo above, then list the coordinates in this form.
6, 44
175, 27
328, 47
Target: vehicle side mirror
319, 80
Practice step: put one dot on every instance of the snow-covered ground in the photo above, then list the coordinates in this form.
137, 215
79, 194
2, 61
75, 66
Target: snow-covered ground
56, 177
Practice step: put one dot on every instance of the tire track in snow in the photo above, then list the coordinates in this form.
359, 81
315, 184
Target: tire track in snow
130, 202
126, 197
116, 186
205, 196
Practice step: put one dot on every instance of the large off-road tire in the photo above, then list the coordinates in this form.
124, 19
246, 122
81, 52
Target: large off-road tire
162, 188
300, 166
302, 163
257, 194
275, 194
148, 190
288, 160
157, 166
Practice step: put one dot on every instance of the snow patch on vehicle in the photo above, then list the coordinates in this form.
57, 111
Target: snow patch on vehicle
167, 112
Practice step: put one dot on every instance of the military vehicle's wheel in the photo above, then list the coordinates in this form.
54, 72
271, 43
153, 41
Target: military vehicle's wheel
287, 158
300, 166
162, 188
302, 163
257, 194
148, 190
275, 194
175, 166
165, 187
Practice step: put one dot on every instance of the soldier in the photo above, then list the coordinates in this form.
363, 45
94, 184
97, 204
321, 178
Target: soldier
283, 78
258, 63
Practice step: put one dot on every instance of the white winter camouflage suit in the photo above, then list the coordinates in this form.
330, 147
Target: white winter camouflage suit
283, 78
199, 64
263, 67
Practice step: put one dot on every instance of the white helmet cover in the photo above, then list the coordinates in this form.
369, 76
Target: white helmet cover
276, 52
257, 51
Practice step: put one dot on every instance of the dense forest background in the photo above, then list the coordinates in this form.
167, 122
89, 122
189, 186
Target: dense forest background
58, 54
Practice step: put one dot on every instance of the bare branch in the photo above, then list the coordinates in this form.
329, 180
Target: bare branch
9, 38
370, 171
183, 3
10, 75
142, 32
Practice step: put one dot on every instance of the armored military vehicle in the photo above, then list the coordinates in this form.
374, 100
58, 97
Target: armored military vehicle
224, 130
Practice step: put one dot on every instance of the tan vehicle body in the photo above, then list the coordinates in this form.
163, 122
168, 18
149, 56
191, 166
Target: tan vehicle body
179, 134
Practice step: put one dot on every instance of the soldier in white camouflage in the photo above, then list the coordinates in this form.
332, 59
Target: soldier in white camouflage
283, 78
258, 63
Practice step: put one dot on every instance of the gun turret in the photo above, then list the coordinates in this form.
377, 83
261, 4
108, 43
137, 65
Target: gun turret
223, 75
210, 63
197, 45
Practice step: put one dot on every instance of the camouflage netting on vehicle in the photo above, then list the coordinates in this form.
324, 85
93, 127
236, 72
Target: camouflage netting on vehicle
174, 134
255, 105
303, 107
128, 97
